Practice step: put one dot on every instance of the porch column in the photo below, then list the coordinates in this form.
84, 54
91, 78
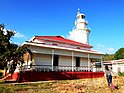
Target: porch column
102, 65
72, 61
52, 59
28, 66
88, 62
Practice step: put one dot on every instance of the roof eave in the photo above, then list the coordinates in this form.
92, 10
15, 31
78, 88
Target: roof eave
57, 47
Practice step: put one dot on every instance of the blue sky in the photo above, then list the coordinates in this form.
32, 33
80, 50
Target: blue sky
57, 17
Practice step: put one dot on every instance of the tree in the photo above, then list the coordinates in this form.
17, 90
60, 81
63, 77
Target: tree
9, 51
108, 57
119, 54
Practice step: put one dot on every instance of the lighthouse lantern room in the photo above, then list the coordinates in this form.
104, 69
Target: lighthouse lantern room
81, 33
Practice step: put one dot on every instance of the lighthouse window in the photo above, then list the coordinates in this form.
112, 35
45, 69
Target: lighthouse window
82, 16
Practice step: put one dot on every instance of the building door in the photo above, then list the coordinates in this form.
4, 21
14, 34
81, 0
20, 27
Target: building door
55, 60
77, 61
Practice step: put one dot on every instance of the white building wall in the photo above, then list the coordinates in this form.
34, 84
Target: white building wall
78, 54
120, 67
83, 62
43, 59
65, 61
42, 50
62, 52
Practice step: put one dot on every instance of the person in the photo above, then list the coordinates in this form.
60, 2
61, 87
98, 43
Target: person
108, 73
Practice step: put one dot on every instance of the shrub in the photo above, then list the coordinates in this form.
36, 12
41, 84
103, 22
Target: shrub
121, 73
1, 74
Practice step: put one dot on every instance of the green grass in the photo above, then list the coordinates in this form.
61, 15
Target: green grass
1, 81
27, 88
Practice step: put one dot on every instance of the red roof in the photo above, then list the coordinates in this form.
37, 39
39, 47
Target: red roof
114, 61
61, 39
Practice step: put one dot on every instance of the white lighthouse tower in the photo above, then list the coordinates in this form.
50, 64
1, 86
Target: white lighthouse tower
81, 33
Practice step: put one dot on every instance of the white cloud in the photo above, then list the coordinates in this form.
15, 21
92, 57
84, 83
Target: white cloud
110, 49
18, 43
104, 49
5, 31
19, 35
70, 35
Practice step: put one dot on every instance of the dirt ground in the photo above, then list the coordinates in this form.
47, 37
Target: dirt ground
94, 85
97, 85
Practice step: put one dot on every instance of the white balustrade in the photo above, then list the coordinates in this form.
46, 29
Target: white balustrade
47, 68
